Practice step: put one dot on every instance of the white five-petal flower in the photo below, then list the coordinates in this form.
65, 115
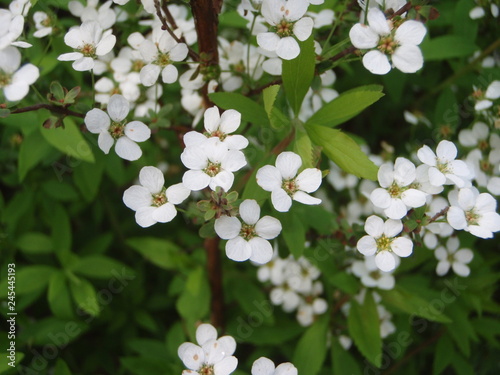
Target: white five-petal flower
284, 184
449, 257
382, 242
248, 239
15, 81
150, 200
112, 126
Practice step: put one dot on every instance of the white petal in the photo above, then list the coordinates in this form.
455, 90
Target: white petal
305, 198
414, 198
211, 119
446, 151
493, 90
169, 74
464, 256
149, 74
226, 366
165, 213
118, 107
392, 227
193, 138
224, 179
97, 121
427, 156
144, 216
410, 32
288, 163
179, 52
466, 199
137, 131
281, 200
436, 177
195, 180
287, 48
363, 36
380, 198
233, 161
177, 193
456, 218
309, 180
136, 197
193, 357
105, 45
127, 149
385, 261
152, 179
194, 158
236, 142
238, 249
227, 227
268, 227
205, 333
408, 58
269, 178
263, 366
302, 29
402, 246
262, 251
374, 226
70, 56
378, 22
250, 211
105, 141
442, 268
230, 121
268, 41
376, 62
460, 269
367, 245
83, 64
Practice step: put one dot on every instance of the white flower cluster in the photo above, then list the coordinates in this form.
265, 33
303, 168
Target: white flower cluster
295, 287
15, 79
215, 356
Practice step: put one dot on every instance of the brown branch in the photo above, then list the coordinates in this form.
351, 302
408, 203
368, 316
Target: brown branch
439, 214
347, 51
405, 8
258, 90
215, 280
51, 108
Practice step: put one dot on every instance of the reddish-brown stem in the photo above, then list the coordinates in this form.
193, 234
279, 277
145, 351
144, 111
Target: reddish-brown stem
405, 8
439, 214
215, 279
51, 108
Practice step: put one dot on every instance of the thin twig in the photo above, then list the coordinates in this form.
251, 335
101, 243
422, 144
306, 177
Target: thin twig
405, 8
214, 270
439, 214
50, 107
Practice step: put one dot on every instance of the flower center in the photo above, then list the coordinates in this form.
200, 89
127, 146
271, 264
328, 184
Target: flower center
46, 22
387, 45
221, 135
137, 65
116, 130
290, 187
395, 190
384, 243
375, 275
284, 28
443, 167
483, 145
88, 50
247, 231
5, 79
206, 370
472, 217
486, 166
212, 169
159, 199
162, 60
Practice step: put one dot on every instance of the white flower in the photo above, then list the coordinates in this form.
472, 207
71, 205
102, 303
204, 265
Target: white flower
43, 24
380, 36
444, 169
221, 127
478, 135
311, 305
371, 276
264, 366
473, 212
150, 200
339, 179
105, 16
11, 28
112, 126
397, 193
212, 356
159, 54
89, 41
284, 184
15, 81
248, 240
486, 99
449, 257
211, 164
382, 241
287, 19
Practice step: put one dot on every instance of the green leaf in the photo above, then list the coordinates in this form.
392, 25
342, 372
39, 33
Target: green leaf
343, 362
34, 149
57, 90
294, 233
304, 148
85, 296
52, 331
310, 352
163, 253
100, 267
460, 329
442, 355
447, 47
35, 243
5, 368
298, 74
412, 304
194, 302
59, 297
145, 366
489, 328
269, 94
447, 112
61, 232
251, 299
364, 328
346, 106
250, 110
61, 368
87, 178
70, 141
29, 279
343, 150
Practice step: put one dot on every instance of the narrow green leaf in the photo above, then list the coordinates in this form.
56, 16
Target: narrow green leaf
34, 149
59, 296
304, 148
87, 178
460, 329
163, 253
61, 232
442, 355
412, 304
447, 47
343, 362
61, 368
364, 328
310, 352
294, 233
70, 141
100, 267
298, 74
269, 94
29, 279
250, 110
35, 243
85, 296
343, 150
346, 106
194, 302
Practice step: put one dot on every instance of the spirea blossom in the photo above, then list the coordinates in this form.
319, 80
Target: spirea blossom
264, 366
212, 355
248, 239
450, 256
113, 126
150, 200
15, 81
383, 40
284, 183
382, 242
